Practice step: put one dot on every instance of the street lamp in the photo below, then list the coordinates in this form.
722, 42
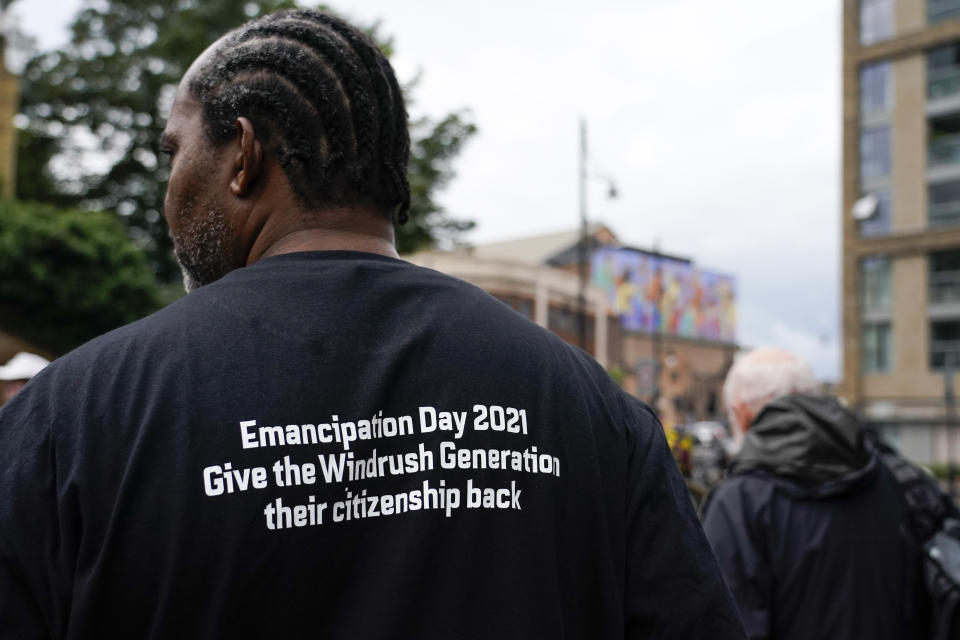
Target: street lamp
656, 341
582, 252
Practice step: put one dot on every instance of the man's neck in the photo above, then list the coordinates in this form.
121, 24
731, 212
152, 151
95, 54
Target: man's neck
342, 229
325, 240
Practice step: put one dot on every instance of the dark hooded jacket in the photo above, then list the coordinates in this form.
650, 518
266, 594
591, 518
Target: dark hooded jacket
807, 529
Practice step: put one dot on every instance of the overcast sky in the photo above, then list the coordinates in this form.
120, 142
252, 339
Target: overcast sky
719, 120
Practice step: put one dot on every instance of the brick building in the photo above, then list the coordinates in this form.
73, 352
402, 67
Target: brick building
539, 277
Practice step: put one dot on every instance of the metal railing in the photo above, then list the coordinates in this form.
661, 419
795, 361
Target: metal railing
943, 352
943, 82
944, 287
944, 213
938, 10
944, 150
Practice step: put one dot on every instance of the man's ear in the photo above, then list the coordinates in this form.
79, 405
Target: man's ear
248, 164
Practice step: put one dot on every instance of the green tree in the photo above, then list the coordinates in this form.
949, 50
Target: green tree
60, 264
433, 147
104, 97
34, 180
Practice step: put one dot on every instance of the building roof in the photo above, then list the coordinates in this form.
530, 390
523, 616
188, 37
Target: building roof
538, 250
559, 249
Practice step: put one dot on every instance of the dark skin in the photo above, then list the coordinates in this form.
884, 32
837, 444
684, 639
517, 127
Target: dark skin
249, 190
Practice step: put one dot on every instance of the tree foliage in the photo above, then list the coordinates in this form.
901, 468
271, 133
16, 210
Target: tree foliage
95, 110
104, 98
433, 147
67, 276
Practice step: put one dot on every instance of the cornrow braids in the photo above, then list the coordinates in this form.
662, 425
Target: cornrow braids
332, 49
325, 100
388, 92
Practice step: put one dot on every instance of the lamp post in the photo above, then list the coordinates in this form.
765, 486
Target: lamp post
657, 336
583, 253
584, 269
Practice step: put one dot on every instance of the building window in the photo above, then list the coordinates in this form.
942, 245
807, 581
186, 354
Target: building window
875, 95
944, 141
945, 344
562, 319
875, 347
943, 71
880, 222
523, 306
939, 10
875, 285
874, 152
945, 277
876, 20
944, 204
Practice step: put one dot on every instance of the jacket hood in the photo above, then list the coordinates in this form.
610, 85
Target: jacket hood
811, 441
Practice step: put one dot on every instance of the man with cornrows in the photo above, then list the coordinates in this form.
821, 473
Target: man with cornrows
322, 440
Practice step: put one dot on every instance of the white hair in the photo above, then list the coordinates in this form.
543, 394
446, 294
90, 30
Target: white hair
763, 375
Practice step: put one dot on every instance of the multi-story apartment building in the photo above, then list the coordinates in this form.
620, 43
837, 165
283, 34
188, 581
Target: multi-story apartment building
901, 219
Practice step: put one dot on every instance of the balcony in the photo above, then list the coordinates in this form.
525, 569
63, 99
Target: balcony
944, 213
944, 287
945, 353
940, 10
944, 150
943, 82
943, 157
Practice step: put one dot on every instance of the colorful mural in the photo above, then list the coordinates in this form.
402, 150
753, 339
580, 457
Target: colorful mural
651, 293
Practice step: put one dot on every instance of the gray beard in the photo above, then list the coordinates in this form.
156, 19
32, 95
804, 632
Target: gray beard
202, 249
189, 284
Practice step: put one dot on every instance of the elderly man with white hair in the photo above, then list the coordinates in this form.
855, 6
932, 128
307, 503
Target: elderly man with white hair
806, 526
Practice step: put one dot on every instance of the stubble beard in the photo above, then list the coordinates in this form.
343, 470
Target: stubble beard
201, 246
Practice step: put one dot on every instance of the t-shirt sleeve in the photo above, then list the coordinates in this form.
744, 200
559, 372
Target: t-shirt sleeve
30, 542
673, 584
742, 560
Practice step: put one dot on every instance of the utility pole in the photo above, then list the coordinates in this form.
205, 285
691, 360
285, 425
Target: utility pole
582, 253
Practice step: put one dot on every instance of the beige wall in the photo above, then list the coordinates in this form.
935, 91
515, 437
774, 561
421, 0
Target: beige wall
909, 284
850, 184
909, 144
909, 16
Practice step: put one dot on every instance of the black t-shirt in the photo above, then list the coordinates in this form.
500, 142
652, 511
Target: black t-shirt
343, 445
